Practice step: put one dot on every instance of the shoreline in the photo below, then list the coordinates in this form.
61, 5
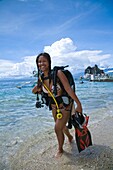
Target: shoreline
38, 152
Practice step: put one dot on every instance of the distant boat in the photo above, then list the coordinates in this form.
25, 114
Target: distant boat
81, 80
27, 84
104, 78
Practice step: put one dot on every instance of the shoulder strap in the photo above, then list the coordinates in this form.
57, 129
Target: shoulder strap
54, 77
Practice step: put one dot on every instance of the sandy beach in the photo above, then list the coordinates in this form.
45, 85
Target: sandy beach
38, 152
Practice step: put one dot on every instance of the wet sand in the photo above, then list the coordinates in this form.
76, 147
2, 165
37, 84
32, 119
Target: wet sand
38, 152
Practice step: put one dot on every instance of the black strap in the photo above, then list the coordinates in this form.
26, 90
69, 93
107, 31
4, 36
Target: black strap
55, 69
55, 80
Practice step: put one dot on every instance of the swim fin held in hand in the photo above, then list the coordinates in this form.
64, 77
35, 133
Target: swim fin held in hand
82, 133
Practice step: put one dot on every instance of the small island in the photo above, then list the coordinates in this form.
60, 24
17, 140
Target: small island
96, 74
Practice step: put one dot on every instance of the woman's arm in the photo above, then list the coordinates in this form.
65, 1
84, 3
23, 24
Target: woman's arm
36, 89
69, 90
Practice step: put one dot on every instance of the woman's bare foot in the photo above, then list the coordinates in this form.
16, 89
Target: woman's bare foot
59, 154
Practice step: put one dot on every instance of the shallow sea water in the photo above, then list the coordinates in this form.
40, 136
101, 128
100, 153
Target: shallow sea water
20, 119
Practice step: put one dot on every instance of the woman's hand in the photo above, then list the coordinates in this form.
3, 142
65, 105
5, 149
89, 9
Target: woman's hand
78, 108
36, 90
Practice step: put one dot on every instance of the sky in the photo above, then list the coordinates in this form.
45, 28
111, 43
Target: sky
74, 32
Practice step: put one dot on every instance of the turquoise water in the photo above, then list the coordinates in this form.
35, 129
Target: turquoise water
20, 119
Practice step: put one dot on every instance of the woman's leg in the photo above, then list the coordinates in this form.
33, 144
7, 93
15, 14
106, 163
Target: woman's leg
60, 129
66, 131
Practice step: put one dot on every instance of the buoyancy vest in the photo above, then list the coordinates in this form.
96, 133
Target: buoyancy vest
66, 98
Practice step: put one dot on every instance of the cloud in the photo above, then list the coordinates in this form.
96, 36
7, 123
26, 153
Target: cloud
5, 65
63, 46
25, 68
62, 52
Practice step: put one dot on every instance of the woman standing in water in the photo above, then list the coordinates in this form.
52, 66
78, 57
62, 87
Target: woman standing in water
43, 62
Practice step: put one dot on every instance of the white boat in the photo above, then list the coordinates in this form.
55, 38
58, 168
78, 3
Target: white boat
104, 78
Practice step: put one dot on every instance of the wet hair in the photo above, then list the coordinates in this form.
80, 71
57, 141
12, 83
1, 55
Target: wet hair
47, 56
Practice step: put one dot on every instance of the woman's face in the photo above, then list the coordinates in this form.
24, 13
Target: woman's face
43, 64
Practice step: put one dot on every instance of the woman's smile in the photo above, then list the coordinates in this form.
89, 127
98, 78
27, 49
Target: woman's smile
43, 63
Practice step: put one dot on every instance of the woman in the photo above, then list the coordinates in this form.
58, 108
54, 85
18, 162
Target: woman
43, 62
